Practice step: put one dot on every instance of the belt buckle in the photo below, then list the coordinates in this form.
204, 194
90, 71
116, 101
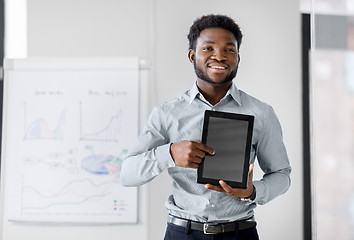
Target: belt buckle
206, 228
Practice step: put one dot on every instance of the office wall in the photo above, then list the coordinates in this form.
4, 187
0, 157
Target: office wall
156, 31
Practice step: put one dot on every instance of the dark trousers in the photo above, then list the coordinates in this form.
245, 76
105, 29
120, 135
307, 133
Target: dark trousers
180, 233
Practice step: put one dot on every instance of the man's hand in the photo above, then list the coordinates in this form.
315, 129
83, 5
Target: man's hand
235, 192
189, 153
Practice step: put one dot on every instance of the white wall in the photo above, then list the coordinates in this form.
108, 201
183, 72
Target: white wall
156, 31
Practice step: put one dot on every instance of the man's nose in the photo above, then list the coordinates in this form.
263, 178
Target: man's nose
219, 55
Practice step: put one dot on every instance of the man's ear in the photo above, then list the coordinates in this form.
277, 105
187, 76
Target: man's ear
239, 58
191, 55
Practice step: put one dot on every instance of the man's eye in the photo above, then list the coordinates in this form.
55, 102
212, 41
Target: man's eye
207, 49
231, 50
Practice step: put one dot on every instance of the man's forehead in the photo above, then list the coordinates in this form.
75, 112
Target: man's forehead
216, 35
213, 34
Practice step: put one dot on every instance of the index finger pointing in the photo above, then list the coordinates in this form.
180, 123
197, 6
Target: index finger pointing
205, 148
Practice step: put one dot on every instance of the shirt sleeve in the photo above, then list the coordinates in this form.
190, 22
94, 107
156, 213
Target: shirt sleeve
149, 156
273, 160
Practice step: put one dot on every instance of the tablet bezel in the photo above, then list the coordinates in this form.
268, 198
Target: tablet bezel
232, 116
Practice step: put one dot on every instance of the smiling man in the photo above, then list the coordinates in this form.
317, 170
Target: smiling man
170, 141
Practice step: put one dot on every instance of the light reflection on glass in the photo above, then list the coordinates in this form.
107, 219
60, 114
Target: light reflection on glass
332, 114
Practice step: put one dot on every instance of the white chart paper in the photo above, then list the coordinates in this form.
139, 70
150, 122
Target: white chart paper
67, 133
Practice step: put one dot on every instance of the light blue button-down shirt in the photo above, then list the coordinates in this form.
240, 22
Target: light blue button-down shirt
182, 119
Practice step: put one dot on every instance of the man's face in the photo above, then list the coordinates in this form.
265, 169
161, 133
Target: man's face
216, 56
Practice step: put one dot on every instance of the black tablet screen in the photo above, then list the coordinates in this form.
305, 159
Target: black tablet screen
228, 138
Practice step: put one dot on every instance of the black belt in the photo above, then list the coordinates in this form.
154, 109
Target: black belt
213, 228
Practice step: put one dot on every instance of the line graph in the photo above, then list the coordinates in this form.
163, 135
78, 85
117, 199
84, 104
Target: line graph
50, 194
78, 196
94, 190
108, 131
66, 203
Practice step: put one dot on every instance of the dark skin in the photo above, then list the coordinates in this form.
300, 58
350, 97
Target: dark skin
215, 58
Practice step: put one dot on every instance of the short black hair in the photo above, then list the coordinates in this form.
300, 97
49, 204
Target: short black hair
213, 21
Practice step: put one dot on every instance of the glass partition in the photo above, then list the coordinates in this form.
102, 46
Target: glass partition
332, 118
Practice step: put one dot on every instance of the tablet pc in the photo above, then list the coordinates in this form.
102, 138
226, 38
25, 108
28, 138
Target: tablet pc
230, 135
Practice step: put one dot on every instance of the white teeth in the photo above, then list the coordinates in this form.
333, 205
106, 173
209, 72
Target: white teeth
217, 67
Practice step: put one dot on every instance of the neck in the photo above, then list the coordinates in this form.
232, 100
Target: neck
213, 93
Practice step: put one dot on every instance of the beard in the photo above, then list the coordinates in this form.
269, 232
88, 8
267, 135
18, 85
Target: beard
204, 76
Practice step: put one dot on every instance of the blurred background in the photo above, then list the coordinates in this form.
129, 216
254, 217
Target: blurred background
331, 117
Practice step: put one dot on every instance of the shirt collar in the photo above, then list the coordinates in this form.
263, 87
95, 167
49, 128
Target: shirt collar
233, 91
193, 93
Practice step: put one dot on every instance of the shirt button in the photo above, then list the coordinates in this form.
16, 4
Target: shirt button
212, 205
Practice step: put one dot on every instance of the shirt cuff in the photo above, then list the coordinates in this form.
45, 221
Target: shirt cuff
262, 192
163, 156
